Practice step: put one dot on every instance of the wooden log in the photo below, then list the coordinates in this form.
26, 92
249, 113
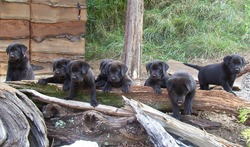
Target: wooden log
22, 120
61, 3
47, 14
14, 29
213, 100
95, 126
188, 132
14, 10
41, 31
18, 1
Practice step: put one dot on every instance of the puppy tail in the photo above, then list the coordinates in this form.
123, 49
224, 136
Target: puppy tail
193, 66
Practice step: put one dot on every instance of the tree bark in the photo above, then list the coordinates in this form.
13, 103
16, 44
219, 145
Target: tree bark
133, 37
21, 122
212, 100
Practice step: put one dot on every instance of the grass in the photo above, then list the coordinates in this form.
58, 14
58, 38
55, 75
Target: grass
180, 30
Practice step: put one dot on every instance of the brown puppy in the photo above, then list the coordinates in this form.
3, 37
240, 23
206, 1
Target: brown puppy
60, 74
222, 74
158, 75
81, 76
181, 89
102, 77
117, 77
19, 67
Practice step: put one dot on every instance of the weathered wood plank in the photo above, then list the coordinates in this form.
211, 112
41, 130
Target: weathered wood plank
18, 1
61, 3
59, 46
41, 31
47, 14
14, 29
14, 10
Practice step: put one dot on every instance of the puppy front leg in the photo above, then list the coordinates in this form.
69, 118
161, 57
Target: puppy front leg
9, 75
93, 101
23, 75
227, 88
176, 110
188, 103
72, 90
107, 87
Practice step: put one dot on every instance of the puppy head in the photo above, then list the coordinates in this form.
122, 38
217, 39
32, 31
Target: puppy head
16, 51
78, 70
116, 71
103, 65
157, 69
178, 88
235, 63
60, 68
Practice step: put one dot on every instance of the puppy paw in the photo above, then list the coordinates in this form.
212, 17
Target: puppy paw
68, 98
187, 111
157, 90
125, 89
94, 103
42, 82
100, 84
106, 89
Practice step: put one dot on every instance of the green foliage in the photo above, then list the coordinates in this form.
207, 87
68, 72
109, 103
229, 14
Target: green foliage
179, 30
244, 115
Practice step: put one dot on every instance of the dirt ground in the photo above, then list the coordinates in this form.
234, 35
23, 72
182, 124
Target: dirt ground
231, 128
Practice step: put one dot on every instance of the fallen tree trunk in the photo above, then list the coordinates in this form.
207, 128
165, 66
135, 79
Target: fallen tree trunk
21, 123
188, 132
94, 123
213, 100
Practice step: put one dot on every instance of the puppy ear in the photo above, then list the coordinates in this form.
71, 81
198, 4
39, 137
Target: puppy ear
164, 66
23, 49
243, 61
85, 68
148, 66
124, 69
8, 49
226, 59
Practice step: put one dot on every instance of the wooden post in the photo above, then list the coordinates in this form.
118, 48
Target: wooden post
133, 37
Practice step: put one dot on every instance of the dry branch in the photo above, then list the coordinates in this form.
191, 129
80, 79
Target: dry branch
186, 131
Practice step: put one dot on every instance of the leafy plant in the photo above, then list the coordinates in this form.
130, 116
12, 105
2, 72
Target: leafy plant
244, 115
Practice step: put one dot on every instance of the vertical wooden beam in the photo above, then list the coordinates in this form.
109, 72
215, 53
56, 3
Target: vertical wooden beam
133, 37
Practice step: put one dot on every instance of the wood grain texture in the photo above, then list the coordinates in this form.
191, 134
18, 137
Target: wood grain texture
47, 14
18, 1
61, 3
5, 43
41, 31
59, 46
14, 29
14, 10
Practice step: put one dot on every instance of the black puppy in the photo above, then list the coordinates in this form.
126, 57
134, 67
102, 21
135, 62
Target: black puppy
117, 77
222, 74
102, 77
81, 76
60, 74
158, 75
181, 89
19, 67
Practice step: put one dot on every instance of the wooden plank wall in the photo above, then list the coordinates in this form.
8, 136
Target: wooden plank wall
51, 29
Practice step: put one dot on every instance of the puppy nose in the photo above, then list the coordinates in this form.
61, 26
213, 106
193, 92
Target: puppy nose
57, 72
12, 56
237, 70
